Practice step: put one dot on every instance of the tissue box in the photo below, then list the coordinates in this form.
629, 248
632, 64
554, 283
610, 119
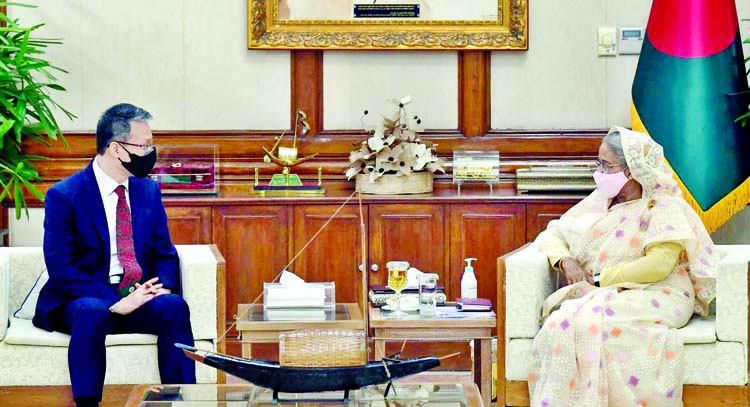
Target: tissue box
308, 295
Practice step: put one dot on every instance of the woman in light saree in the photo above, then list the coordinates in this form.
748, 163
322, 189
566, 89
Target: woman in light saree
639, 263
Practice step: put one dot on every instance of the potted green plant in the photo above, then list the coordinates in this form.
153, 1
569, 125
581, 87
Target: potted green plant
26, 79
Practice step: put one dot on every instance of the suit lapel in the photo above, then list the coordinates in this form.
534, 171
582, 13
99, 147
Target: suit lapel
95, 207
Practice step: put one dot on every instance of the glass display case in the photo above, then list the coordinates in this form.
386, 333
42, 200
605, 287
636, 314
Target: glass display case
476, 166
192, 169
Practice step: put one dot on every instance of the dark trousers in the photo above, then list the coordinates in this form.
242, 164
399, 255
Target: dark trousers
88, 322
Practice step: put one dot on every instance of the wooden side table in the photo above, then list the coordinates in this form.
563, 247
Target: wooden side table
254, 327
448, 325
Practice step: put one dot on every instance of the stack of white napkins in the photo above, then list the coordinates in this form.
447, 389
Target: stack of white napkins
294, 292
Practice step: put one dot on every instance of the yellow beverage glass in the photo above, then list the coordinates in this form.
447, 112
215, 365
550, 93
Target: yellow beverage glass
397, 282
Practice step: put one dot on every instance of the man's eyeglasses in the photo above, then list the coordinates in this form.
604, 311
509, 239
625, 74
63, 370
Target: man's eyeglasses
606, 167
148, 146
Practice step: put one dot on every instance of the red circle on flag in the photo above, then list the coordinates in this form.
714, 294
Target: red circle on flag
692, 28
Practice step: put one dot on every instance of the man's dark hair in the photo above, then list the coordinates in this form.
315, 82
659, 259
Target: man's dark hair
114, 125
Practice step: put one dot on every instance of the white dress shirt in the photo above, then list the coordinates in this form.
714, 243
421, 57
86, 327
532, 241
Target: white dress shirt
107, 186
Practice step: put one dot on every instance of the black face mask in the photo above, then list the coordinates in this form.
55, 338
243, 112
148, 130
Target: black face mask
139, 166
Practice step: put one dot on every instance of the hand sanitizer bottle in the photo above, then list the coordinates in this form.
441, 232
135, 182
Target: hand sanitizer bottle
469, 280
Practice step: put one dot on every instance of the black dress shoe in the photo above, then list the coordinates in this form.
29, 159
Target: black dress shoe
86, 402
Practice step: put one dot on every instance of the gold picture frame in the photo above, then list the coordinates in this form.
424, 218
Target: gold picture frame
509, 31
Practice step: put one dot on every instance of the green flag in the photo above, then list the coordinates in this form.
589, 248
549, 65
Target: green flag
689, 87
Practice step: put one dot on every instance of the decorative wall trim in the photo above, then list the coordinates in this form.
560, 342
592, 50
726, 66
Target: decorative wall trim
247, 144
241, 151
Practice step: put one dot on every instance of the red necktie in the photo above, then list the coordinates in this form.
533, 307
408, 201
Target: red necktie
125, 248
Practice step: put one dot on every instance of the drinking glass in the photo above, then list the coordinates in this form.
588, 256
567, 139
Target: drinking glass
397, 282
427, 293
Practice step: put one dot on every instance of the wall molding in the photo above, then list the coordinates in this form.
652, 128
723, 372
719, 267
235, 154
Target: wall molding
241, 151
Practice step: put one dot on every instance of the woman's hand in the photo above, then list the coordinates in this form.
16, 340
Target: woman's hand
574, 272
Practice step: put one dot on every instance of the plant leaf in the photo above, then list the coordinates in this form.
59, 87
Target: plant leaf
26, 116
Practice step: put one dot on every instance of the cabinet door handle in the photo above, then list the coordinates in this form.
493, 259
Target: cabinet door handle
373, 267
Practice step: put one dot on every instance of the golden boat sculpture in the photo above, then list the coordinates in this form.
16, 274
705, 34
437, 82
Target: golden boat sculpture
287, 157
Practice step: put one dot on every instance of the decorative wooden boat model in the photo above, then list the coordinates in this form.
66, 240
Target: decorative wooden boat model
285, 379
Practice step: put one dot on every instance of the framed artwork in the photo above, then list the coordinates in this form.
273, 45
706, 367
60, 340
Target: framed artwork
388, 24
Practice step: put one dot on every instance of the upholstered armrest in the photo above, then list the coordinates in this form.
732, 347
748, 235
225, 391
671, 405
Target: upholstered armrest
198, 267
4, 291
527, 283
731, 293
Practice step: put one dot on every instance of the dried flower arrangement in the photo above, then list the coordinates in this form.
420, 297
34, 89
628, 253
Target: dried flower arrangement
394, 147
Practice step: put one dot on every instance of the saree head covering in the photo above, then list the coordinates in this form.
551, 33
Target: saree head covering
672, 218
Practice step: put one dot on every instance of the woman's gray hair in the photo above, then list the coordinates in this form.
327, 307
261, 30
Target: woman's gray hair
614, 141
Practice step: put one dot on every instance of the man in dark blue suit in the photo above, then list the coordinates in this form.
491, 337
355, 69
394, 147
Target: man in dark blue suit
89, 293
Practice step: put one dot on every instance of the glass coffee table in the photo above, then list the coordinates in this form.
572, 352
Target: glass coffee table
247, 395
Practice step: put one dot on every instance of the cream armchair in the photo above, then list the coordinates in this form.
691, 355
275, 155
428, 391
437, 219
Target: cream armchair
30, 356
716, 346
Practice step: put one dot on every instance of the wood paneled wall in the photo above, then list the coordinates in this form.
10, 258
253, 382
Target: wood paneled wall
240, 151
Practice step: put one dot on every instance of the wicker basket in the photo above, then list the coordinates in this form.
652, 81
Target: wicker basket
391, 184
322, 348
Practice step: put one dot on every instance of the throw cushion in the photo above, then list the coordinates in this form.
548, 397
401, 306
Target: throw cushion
28, 308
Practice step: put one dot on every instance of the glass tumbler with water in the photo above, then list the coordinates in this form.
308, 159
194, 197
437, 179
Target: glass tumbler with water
427, 294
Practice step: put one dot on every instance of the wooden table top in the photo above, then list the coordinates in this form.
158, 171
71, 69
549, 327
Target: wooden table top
447, 317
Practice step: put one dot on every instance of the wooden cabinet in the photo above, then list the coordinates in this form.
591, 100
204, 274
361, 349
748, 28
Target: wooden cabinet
189, 224
484, 232
260, 236
335, 253
538, 215
409, 232
254, 241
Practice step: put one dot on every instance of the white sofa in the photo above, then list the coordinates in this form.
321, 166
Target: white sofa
30, 356
716, 346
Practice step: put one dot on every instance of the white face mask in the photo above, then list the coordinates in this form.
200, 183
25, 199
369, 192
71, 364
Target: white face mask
610, 184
